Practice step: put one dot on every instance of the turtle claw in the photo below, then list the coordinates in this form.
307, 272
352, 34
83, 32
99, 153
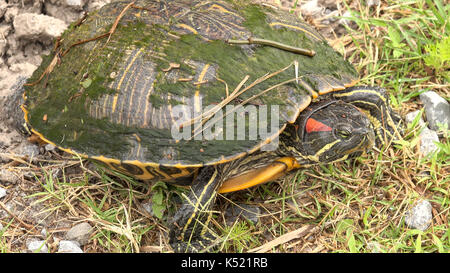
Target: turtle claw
204, 243
189, 231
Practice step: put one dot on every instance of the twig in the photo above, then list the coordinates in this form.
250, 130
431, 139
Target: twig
48, 70
236, 94
116, 22
286, 238
25, 225
207, 115
251, 40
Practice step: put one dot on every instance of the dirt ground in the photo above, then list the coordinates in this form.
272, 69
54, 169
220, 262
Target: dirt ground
28, 29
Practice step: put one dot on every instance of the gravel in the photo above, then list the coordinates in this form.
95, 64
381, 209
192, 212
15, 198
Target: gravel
437, 109
69, 247
419, 217
2, 192
79, 233
409, 118
428, 138
39, 27
37, 246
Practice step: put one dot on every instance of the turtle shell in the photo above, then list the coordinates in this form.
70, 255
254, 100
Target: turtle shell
119, 98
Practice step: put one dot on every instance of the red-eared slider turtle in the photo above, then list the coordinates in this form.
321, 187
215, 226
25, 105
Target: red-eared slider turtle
218, 95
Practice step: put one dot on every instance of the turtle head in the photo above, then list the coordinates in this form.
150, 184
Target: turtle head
331, 131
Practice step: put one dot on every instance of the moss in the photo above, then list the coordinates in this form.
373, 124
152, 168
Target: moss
156, 100
64, 99
234, 63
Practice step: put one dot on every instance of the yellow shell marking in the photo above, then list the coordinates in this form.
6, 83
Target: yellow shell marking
123, 77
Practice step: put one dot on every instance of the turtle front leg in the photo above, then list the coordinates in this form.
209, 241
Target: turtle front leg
189, 231
374, 101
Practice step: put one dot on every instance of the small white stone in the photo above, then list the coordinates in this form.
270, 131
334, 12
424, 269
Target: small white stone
44, 233
75, 3
79, 233
344, 20
419, 217
409, 118
311, 8
26, 149
2, 192
427, 141
50, 147
427, 137
371, 3
148, 208
37, 246
36, 26
374, 247
69, 247
437, 110
93, 5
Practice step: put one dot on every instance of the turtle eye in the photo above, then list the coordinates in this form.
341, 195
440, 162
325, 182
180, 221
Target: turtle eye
343, 133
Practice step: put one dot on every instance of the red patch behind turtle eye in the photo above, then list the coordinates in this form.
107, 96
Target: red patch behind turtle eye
313, 125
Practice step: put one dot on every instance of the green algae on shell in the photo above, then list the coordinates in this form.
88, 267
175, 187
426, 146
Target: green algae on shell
103, 94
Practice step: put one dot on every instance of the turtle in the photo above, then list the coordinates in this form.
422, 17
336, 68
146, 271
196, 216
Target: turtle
217, 96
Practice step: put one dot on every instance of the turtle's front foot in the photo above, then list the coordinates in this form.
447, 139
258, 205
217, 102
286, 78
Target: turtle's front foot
197, 244
189, 227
